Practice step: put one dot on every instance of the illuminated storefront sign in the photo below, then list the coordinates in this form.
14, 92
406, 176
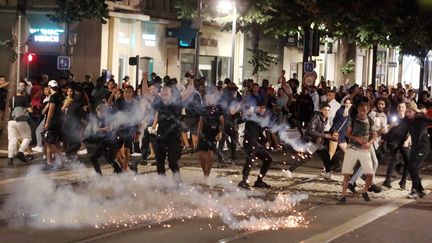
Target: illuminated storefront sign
46, 35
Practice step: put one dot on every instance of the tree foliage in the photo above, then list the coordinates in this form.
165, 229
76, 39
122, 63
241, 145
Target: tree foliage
348, 68
74, 11
261, 60
10, 45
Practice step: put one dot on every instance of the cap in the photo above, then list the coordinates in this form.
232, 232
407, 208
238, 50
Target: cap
413, 106
53, 83
126, 77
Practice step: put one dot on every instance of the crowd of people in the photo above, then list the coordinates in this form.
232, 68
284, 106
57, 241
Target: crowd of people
352, 128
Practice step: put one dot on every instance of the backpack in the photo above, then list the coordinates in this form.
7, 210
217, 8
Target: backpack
19, 113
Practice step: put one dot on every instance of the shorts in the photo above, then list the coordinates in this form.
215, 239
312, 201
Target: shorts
126, 142
353, 155
52, 137
125, 137
206, 143
191, 125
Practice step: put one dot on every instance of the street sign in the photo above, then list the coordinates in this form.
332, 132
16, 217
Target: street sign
308, 67
309, 79
63, 63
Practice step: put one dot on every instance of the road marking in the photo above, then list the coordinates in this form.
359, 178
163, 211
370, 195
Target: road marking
358, 222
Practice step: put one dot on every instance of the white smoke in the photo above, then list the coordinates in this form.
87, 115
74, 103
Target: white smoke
141, 111
126, 200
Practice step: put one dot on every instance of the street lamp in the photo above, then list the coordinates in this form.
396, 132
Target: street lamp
225, 7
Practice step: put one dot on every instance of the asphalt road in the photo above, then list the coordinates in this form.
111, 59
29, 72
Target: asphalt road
388, 218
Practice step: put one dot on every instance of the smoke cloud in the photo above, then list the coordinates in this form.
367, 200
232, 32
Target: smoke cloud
126, 200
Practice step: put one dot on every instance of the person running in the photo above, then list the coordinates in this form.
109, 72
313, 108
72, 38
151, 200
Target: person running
193, 106
361, 135
420, 147
168, 106
230, 102
379, 119
18, 127
315, 134
254, 144
210, 129
127, 132
107, 144
397, 143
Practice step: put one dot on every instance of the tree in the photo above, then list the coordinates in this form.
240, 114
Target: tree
69, 12
75, 11
366, 23
260, 61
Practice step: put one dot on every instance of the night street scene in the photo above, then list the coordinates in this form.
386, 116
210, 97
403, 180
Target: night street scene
222, 121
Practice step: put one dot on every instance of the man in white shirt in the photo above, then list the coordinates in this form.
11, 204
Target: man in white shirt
334, 107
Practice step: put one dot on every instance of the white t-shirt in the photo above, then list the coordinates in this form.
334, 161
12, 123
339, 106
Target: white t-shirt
334, 107
380, 123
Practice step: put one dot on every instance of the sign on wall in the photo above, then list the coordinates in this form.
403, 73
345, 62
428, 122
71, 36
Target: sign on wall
63, 63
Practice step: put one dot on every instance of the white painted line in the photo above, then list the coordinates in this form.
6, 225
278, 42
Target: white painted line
358, 222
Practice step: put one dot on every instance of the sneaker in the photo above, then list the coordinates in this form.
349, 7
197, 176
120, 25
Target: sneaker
343, 200
10, 161
187, 150
287, 173
352, 187
413, 195
82, 151
327, 176
37, 149
261, 184
387, 184
243, 184
402, 185
22, 157
374, 188
48, 167
366, 197
143, 162
422, 194
44, 157
136, 154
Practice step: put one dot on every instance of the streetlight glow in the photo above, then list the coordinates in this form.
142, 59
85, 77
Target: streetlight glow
225, 7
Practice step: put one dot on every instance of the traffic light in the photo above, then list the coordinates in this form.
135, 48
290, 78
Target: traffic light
30, 57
